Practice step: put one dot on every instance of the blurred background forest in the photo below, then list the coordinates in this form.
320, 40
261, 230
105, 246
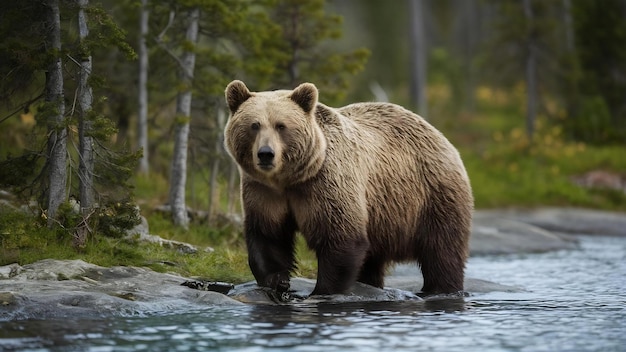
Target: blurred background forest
120, 103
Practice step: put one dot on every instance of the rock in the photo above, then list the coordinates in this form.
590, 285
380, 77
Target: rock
407, 277
601, 179
198, 216
7, 299
141, 229
141, 233
74, 288
6, 195
301, 288
9, 271
399, 286
568, 220
492, 233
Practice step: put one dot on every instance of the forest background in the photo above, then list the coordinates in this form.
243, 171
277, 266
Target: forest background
115, 109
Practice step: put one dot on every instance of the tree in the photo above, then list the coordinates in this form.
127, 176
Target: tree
596, 78
142, 115
530, 70
85, 99
213, 184
299, 51
418, 57
85, 126
178, 174
525, 49
55, 112
64, 53
469, 33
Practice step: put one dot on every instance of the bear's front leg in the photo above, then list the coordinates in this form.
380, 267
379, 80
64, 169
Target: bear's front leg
339, 266
271, 248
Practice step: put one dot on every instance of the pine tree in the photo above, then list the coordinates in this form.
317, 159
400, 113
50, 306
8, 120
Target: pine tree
142, 115
85, 125
183, 113
55, 111
101, 183
299, 54
418, 56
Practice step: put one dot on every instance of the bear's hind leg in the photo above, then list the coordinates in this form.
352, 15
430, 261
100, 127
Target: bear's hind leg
373, 273
441, 256
442, 247
442, 275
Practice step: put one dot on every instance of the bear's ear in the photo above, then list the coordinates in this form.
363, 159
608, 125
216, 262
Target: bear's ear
305, 95
236, 94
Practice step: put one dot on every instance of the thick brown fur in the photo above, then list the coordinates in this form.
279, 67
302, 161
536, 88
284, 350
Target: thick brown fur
367, 185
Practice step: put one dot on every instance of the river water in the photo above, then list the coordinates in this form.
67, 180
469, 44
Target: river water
575, 300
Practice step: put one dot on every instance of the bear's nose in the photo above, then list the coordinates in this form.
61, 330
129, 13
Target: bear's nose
266, 155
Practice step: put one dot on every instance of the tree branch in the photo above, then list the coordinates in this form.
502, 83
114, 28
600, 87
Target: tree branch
24, 106
170, 21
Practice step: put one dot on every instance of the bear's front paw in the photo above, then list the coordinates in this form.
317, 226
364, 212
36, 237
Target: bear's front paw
278, 282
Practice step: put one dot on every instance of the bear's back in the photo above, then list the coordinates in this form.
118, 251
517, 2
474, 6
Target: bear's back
383, 125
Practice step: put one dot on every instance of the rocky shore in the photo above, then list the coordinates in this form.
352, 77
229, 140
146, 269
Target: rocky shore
57, 289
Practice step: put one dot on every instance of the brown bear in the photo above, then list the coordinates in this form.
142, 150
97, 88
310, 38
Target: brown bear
367, 185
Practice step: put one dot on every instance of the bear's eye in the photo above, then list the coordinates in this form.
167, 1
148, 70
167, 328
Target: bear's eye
255, 126
280, 126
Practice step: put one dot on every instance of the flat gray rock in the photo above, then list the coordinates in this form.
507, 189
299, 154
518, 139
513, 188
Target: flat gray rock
301, 288
493, 233
70, 288
408, 277
539, 230
567, 220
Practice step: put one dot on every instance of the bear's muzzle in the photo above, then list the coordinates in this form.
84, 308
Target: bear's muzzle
266, 157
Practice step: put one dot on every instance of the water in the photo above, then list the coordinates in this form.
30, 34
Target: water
576, 301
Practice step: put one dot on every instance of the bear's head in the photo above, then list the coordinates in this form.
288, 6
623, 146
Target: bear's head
274, 136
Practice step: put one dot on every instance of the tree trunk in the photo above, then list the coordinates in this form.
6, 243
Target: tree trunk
569, 26
418, 56
86, 145
183, 113
214, 186
142, 117
531, 71
470, 27
233, 194
57, 133
85, 98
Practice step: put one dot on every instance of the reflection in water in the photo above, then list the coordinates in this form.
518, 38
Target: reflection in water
348, 325
576, 300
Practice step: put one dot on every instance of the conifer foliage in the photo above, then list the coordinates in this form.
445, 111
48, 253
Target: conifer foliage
69, 166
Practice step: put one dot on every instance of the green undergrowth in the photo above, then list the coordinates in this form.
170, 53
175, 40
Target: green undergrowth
506, 169
25, 239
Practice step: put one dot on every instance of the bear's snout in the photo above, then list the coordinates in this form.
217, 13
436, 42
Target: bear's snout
266, 157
